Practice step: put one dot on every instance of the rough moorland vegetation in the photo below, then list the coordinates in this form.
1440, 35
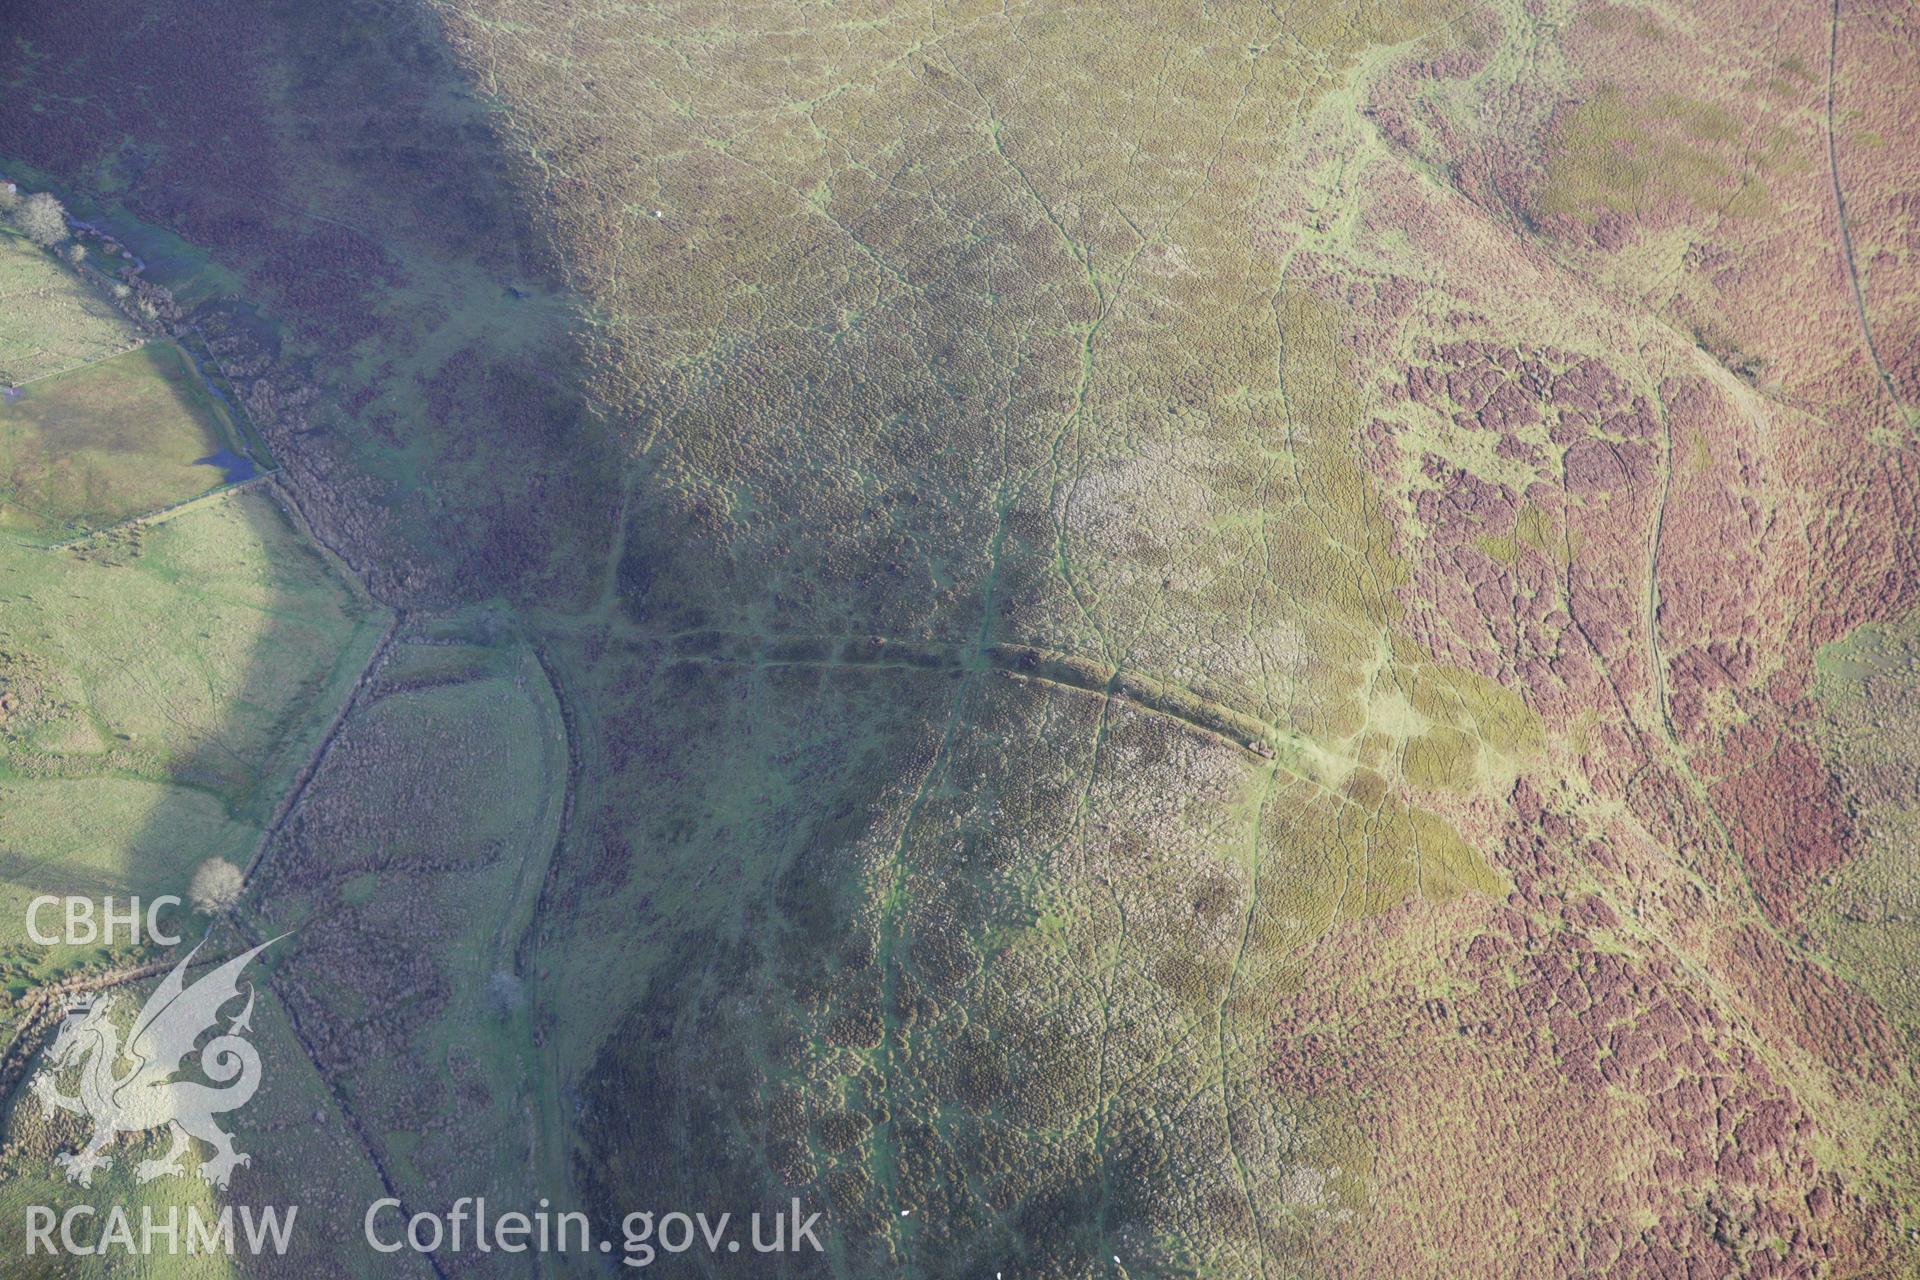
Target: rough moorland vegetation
1222, 645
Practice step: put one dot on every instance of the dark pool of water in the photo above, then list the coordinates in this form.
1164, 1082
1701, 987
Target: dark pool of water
238, 467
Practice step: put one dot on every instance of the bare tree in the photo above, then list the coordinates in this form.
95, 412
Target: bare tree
41, 219
217, 886
506, 993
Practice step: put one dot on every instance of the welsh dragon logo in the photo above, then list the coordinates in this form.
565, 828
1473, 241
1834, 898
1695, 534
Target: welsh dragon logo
145, 1095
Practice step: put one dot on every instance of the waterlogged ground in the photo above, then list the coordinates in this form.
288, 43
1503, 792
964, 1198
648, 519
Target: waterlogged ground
1265, 642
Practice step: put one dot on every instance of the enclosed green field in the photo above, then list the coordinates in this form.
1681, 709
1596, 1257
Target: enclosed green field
50, 320
157, 697
132, 434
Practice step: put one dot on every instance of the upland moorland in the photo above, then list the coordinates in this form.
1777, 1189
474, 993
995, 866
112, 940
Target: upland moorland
1249, 640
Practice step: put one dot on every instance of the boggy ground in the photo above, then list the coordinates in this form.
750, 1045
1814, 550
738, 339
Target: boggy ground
1486, 413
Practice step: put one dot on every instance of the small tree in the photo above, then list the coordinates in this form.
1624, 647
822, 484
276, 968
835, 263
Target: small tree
9, 197
76, 253
506, 993
41, 219
217, 886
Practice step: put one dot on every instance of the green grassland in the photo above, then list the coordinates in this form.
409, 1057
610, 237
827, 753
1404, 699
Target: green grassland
50, 319
119, 438
1868, 916
162, 684
1619, 158
161, 690
184, 716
